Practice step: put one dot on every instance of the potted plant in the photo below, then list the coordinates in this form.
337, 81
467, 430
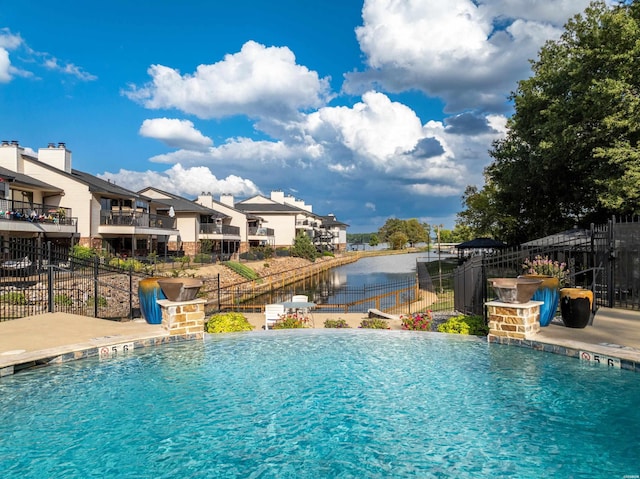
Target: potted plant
554, 275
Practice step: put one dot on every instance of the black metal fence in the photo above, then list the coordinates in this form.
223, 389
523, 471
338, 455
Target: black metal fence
397, 297
36, 279
604, 259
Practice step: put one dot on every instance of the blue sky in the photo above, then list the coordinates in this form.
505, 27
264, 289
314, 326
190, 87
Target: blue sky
365, 109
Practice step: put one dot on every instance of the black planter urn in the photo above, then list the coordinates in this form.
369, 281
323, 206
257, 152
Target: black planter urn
575, 306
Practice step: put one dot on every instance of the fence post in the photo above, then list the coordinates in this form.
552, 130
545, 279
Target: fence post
219, 303
50, 276
96, 261
131, 292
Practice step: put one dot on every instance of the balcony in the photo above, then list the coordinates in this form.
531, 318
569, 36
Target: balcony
219, 230
253, 231
136, 222
25, 217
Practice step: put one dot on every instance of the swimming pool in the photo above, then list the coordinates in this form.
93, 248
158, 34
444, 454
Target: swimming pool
322, 404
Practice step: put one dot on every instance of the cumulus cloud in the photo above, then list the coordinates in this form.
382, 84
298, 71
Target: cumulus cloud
183, 181
469, 53
175, 133
258, 81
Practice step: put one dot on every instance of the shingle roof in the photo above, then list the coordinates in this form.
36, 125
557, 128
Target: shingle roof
183, 205
26, 180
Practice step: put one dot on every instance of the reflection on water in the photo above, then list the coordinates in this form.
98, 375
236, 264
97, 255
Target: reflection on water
369, 271
377, 269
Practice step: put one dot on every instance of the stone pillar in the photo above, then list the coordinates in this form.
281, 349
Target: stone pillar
513, 320
183, 317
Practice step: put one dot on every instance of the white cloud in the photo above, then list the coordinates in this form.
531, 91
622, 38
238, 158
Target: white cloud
10, 41
175, 133
258, 81
51, 63
5, 65
470, 54
183, 181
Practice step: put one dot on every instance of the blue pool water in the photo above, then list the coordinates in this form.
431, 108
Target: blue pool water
322, 404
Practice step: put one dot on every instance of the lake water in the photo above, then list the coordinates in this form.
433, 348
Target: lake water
380, 269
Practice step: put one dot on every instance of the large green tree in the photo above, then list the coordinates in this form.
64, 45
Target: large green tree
412, 230
571, 155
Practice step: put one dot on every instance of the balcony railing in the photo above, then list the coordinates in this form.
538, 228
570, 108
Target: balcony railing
35, 212
253, 231
214, 229
136, 218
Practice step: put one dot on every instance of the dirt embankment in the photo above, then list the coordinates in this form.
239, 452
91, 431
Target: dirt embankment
262, 268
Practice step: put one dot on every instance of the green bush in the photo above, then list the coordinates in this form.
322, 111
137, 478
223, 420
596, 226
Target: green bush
328, 253
291, 321
473, 325
335, 323
128, 264
227, 323
102, 302
62, 300
14, 298
374, 323
202, 258
242, 270
82, 252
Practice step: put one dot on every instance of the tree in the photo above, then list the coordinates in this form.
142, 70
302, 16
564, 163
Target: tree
398, 240
303, 247
570, 156
415, 232
391, 226
373, 240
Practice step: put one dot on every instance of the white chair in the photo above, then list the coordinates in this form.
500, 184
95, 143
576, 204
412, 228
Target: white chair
301, 298
272, 312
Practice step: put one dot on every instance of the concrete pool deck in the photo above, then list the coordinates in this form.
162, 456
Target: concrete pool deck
59, 337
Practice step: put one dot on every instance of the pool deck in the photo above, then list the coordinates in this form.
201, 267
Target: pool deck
59, 337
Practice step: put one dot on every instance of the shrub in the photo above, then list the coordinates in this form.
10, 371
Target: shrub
62, 300
417, 321
14, 298
328, 253
462, 324
242, 270
102, 301
335, 323
82, 252
374, 323
128, 264
202, 258
227, 323
291, 321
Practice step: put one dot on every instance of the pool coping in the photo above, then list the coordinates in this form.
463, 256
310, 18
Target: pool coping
629, 357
